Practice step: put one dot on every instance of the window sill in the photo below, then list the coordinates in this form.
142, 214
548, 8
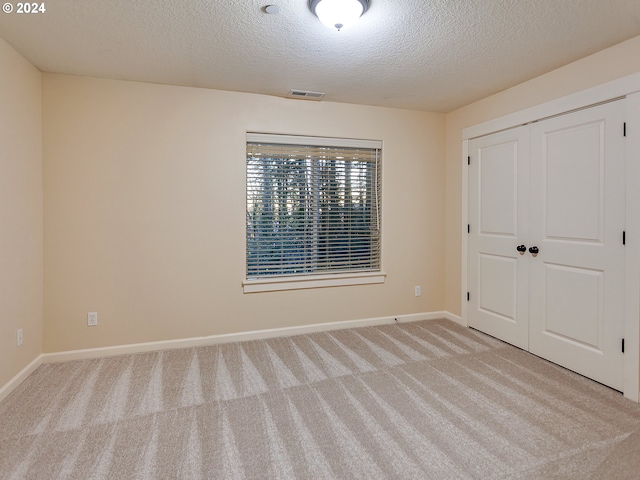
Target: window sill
312, 281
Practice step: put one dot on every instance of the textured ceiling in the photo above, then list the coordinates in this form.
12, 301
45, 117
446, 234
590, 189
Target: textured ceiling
433, 55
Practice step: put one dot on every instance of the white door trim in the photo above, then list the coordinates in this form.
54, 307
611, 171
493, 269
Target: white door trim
628, 86
592, 96
465, 237
632, 251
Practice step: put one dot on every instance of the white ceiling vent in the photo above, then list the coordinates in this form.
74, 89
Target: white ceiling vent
306, 94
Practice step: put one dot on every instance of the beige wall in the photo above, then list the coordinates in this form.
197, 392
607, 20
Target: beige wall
20, 212
615, 62
144, 194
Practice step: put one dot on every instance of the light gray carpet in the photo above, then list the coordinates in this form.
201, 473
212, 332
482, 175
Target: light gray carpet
417, 400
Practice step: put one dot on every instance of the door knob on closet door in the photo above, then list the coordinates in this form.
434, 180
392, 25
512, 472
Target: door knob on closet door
521, 249
534, 251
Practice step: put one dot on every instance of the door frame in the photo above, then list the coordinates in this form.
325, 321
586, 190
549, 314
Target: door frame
628, 87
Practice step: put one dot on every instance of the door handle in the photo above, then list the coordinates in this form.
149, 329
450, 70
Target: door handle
534, 251
521, 249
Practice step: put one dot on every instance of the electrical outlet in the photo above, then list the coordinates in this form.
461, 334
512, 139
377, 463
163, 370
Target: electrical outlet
418, 292
92, 319
19, 337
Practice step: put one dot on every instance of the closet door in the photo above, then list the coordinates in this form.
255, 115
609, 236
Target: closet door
577, 222
498, 279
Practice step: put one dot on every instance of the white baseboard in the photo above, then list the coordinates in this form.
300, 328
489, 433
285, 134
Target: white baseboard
454, 318
213, 340
237, 337
12, 384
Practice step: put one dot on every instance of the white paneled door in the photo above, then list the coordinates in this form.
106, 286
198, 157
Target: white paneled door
559, 193
577, 223
499, 223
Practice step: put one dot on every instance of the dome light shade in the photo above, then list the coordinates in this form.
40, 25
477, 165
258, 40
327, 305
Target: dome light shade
338, 14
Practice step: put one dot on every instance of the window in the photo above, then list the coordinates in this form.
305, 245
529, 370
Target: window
313, 207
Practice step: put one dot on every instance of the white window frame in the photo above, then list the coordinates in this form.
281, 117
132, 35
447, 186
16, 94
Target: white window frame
280, 283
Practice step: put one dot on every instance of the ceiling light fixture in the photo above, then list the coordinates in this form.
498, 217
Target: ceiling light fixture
338, 14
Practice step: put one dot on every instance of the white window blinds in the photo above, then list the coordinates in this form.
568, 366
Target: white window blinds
313, 205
